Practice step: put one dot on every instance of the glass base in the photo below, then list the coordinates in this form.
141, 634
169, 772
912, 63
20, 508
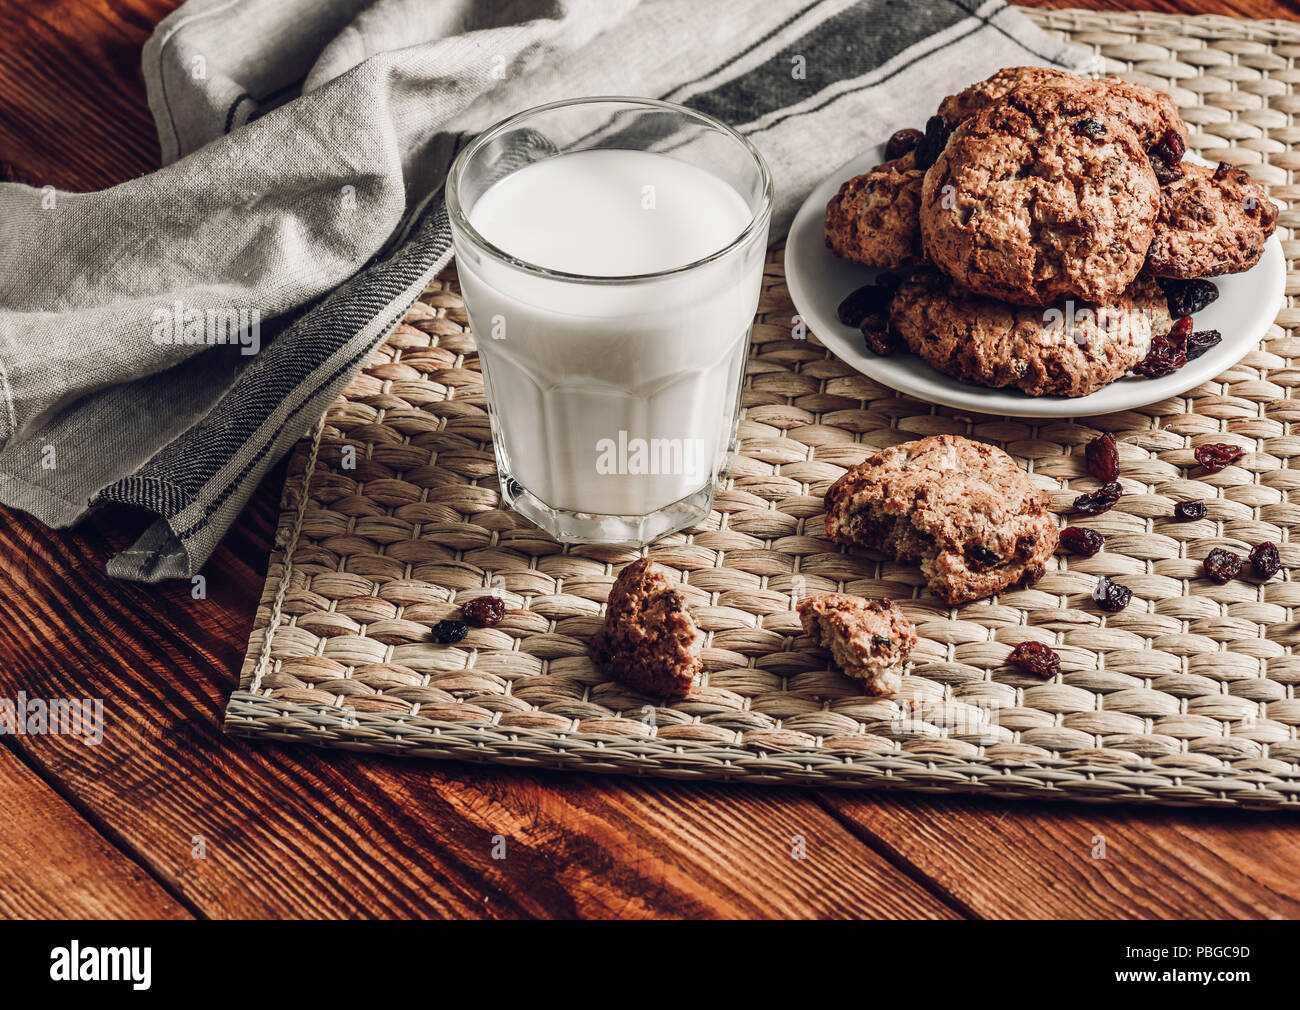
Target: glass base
592, 528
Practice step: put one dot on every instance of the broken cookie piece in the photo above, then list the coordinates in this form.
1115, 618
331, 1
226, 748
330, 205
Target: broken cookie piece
962, 509
649, 641
869, 639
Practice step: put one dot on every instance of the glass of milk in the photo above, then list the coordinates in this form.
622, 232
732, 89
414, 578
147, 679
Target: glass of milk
610, 251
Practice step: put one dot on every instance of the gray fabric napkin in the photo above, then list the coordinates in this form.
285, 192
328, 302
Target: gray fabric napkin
164, 342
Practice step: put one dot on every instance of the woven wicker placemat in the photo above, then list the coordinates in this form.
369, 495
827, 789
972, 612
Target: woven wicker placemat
1187, 697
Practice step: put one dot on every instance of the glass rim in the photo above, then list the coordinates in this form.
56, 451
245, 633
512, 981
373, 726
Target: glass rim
758, 218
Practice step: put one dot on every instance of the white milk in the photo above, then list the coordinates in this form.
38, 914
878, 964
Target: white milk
614, 397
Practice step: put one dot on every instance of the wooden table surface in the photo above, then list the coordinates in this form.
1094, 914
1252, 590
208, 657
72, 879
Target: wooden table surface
117, 829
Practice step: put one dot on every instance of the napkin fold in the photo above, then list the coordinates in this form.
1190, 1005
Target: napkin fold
165, 341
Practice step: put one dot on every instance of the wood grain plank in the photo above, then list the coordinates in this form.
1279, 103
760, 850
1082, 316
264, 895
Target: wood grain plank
73, 113
1040, 860
54, 864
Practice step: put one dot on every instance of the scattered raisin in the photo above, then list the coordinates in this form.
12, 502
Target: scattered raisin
1082, 541
485, 611
1170, 148
902, 142
1186, 298
1102, 458
1214, 456
1222, 566
1189, 511
1111, 596
866, 300
448, 632
1168, 351
1221, 171
1094, 128
1099, 501
1201, 341
981, 555
1036, 658
1265, 559
932, 144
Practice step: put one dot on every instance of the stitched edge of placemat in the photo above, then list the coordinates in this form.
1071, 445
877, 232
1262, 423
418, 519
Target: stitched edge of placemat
1102, 778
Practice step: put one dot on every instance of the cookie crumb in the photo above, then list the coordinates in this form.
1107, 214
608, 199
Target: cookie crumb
869, 640
649, 640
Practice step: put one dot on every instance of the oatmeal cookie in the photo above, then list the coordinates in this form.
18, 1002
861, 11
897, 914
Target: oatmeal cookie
1069, 349
1039, 198
1212, 221
874, 219
1148, 112
649, 641
869, 639
963, 509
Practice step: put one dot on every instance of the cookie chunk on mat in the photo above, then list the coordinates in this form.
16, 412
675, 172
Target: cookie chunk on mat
649, 640
870, 640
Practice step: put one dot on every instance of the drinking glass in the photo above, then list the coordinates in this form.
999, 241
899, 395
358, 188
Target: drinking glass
614, 400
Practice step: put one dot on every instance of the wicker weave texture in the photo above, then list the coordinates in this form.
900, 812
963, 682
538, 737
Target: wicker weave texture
1187, 697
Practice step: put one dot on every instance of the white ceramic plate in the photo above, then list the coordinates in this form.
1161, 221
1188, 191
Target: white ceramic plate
819, 281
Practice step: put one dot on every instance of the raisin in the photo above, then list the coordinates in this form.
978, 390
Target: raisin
1036, 658
1168, 351
866, 300
1165, 173
1189, 511
1170, 148
1222, 566
1102, 458
1111, 596
1221, 171
485, 611
1214, 456
1094, 128
1186, 298
1081, 541
1265, 559
932, 144
1201, 341
878, 339
448, 632
1099, 501
981, 555
902, 142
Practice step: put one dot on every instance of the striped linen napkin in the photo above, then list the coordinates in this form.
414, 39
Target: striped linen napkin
164, 342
